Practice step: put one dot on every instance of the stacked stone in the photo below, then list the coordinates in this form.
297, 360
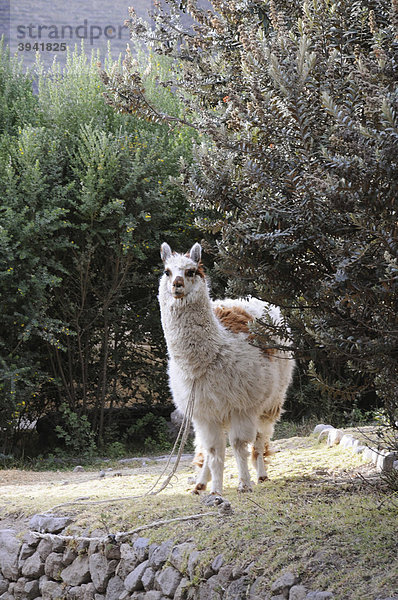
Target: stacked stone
51, 568
384, 460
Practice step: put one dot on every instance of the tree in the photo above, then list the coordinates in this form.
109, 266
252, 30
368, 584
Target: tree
297, 103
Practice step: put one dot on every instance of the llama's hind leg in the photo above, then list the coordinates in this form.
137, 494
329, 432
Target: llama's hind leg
212, 442
242, 432
261, 450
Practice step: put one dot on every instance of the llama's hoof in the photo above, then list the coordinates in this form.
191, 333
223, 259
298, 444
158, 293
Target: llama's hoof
199, 487
213, 499
263, 478
244, 487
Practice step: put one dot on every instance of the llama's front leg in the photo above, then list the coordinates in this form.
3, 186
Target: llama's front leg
213, 443
242, 432
203, 476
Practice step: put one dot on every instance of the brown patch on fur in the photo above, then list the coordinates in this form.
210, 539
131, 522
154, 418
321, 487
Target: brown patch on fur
199, 487
179, 281
263, 478
244, 488
198, 459
200, 269
234, 318
237, 320
254, 454
268, 451
273, 414
270, 352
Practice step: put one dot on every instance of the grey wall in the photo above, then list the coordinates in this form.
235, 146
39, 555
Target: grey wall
56, 24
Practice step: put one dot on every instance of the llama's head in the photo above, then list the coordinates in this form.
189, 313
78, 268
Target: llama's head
183, 274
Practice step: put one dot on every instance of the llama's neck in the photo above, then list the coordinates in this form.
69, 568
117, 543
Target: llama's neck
192, 332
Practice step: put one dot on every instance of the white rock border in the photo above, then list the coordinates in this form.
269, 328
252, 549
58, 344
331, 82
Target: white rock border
384, 460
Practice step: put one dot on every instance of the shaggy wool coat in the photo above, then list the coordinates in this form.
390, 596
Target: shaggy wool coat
239, 388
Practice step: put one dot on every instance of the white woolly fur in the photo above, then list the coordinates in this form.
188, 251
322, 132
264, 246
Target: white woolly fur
238, 388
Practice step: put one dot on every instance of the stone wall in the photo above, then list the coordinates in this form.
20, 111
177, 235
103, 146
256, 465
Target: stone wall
51, 568
384, 460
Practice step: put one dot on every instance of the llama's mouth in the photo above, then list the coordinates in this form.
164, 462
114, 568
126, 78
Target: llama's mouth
178, 295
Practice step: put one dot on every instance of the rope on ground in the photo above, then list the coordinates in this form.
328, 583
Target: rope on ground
183, 434
185, 426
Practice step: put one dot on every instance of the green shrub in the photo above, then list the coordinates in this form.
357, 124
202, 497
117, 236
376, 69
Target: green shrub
76, 433
86, 201
115, 450
18, 105
150, 434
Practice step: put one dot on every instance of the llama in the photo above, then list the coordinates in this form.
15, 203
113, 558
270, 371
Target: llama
238, 388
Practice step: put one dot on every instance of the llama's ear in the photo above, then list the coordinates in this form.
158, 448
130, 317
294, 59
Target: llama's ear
165, 252
196, 253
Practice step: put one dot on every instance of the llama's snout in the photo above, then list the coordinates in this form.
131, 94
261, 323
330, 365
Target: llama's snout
178, 287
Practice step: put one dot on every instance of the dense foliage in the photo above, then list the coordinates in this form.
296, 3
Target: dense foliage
298, 173
85, 203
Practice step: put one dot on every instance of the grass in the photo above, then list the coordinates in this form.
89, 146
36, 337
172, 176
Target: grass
316, 515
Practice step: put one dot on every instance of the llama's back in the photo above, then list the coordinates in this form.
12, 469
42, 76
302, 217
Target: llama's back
256, 308
231, 312
235, 315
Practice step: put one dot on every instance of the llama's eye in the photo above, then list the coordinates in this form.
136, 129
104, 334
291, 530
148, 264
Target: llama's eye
190, 273
167, 272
